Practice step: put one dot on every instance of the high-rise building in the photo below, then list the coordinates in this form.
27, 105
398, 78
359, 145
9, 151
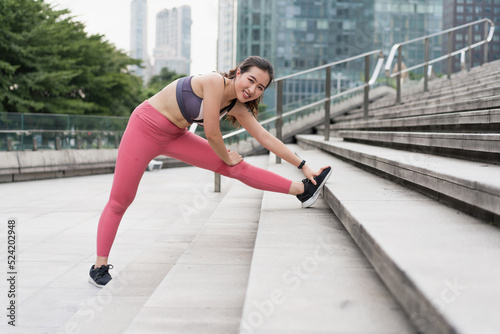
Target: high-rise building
404, 20
296, 35
173, 40
459, 12
226, 36
300, 34
139, 37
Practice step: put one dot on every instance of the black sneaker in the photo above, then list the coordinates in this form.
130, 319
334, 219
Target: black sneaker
311, 191
100, 276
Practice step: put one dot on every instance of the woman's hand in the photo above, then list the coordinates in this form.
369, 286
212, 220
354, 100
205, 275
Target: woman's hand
234, 158
310, 174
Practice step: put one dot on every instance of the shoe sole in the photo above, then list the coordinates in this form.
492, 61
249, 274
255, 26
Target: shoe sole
315, 196
91, 281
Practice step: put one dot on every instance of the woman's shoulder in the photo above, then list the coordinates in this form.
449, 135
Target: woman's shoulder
211, 80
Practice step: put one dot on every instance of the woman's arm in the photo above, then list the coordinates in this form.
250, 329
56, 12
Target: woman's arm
273, 144
213, 90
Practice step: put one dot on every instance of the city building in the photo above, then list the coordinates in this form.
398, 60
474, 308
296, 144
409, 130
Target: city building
173, 40
459, 12
296, 35
226, 36
300, 34
139, 38
404, 20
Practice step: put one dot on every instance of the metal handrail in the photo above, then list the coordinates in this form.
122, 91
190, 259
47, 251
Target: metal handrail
428, 62
275, 118
369, 81
373, 79
330, 65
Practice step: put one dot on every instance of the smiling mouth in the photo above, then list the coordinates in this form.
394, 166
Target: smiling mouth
245, 95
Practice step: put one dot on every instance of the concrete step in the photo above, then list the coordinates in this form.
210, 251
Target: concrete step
473, 146
479, 77
473, 76
427, 101
440, 264
428, 105
485, 120
485, 83
475, 187
480, 103
308, 276
114, 307
204, 291
456, 86
356, 102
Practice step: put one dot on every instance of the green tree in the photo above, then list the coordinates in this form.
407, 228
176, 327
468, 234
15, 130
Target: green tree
159, 81
49, 64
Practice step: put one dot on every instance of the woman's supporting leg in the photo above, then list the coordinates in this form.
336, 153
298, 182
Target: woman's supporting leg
196, 151
137, 149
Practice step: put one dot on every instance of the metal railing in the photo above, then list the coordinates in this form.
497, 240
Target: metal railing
326, 101
487, 37
20, 132
22, 140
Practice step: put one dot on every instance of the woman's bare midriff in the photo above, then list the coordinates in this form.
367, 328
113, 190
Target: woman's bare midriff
165, 102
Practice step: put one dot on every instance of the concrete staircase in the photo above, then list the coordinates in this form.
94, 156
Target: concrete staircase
440, 264
417, 185
414, 145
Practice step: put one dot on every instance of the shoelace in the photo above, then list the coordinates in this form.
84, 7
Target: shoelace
101, 271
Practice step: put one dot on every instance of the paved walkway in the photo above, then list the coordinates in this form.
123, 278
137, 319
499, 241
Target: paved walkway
56, 230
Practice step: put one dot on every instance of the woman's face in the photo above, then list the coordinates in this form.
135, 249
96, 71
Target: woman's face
251, 84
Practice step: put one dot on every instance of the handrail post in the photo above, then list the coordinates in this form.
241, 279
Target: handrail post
58, 143
469, 51
485, 44
279, 114
217, 182
366, 98
398, 78
426, 66
328, 94
450, 44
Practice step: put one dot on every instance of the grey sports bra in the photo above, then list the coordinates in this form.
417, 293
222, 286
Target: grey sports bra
191, 105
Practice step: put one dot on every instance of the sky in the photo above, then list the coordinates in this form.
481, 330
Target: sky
111, 18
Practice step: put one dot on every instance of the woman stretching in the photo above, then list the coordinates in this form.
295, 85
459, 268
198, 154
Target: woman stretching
159, 127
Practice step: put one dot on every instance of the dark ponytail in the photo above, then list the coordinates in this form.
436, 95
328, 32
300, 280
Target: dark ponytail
245, 66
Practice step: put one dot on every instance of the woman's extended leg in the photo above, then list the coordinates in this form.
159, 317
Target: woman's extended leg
196, 151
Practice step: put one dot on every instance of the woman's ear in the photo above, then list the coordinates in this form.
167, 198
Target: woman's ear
238, 72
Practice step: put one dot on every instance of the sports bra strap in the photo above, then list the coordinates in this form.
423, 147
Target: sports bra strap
228, 107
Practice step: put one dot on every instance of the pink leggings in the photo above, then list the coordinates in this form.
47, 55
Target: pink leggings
150, 134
